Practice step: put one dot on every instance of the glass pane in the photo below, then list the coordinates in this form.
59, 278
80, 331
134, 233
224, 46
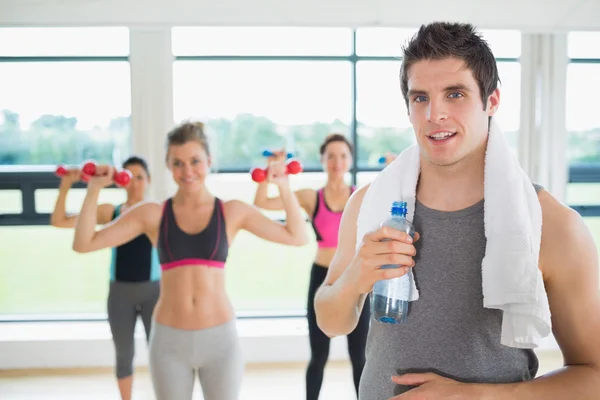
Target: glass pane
64, 112
509, 112
504, 43
388, 42
269, 104
383, 123
50, 278
281, 272
80, 41
582, 194
266, 276
384, 42
262, 41
583, 123
382, 120
11, 201
45, 199
584, 44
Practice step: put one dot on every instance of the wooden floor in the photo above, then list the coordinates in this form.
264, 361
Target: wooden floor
264, 382
261, 382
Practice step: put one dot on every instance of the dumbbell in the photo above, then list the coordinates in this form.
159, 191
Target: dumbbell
382, 160
62, 170
269, 153
293, 167
87, 171
121, 177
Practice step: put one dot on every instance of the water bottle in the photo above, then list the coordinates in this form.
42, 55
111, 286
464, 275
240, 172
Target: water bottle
390, 297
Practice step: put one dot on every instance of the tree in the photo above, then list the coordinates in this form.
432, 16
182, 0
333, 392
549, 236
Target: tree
10, 144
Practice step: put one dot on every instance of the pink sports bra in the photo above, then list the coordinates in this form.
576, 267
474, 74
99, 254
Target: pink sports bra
325, 222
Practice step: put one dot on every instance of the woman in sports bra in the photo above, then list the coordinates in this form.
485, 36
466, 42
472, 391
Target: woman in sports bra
325, 207
134, 270
194, 327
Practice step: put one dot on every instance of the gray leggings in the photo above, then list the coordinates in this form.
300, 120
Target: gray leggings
127, 300
176, 354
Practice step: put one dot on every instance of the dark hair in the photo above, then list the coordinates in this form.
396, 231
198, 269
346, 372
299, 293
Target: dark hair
440, 40
334, 137
187, 132
135, 160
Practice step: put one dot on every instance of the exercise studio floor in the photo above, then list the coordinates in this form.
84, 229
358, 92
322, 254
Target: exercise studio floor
261, 382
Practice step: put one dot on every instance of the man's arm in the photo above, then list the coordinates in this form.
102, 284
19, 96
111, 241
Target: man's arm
353, 272
337, 306
569, 263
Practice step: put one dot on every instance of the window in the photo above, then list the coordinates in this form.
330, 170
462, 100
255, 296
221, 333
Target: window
382, 42
11, 201
584, 45
583, 124
382, 119
583, 128
509, 112
388, 42
41, 274
65, 98
252, 105
65, 102
261, 41
281, 272
64, 42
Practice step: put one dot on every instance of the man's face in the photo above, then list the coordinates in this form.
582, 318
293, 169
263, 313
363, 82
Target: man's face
446, 111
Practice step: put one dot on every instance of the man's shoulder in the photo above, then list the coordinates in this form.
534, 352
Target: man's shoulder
357, 197
564, 233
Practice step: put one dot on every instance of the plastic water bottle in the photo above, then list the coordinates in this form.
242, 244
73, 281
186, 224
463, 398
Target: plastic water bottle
390, 297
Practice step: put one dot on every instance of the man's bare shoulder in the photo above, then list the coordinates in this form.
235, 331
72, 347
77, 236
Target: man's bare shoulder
565, 235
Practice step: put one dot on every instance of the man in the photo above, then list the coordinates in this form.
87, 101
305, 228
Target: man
450, 347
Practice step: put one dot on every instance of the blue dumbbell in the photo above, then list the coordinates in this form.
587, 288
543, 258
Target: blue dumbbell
268, 153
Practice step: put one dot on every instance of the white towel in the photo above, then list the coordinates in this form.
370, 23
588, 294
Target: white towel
511, 279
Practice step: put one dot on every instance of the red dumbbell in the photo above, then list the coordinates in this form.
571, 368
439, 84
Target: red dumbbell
62, 170
293, 167
121, 177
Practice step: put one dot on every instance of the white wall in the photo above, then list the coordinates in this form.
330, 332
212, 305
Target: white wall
525, 15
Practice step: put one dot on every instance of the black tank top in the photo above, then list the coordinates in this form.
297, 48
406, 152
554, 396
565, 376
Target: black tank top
176, 248
134, 261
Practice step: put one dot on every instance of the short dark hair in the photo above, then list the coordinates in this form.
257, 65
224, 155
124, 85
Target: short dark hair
440, 40
136, 160
187, 132
334, 137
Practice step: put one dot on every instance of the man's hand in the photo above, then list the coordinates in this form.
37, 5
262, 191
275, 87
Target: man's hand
431, 386
380, 247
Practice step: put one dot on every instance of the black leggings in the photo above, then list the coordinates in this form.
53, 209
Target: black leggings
319, 342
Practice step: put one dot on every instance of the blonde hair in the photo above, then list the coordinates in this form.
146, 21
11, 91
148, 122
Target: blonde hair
187, 132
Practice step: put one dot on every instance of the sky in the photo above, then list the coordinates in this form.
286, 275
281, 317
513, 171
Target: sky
292, 92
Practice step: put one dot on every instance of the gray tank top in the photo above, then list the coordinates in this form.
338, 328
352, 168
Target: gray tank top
448, 330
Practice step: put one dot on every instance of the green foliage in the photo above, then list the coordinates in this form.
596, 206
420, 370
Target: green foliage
236, 143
